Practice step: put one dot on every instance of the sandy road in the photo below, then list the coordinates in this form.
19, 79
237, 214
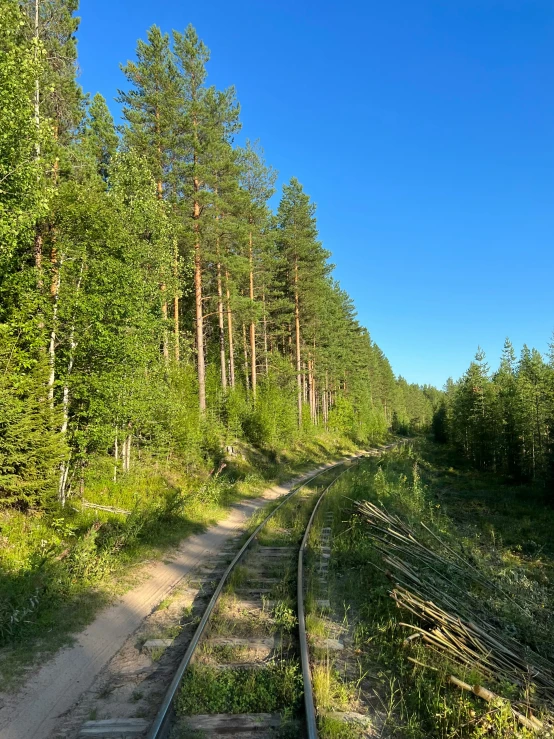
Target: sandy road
34, 711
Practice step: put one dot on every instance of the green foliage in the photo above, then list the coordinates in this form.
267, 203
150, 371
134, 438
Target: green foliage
208, 690
30, 452
503, 422
23, 197
463, 508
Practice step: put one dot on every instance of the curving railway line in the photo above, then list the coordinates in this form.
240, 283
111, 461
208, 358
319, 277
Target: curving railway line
264, 565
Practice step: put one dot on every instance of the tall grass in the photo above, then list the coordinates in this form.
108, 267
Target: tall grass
490, 523
58, 566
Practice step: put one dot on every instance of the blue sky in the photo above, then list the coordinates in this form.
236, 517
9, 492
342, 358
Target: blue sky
422, 129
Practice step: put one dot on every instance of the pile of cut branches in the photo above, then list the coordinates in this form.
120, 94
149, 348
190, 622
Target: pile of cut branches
447, 594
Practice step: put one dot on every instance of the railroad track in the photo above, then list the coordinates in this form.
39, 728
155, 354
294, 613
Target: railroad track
249, 613
253, 629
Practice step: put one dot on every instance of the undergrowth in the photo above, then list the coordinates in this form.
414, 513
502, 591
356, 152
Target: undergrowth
208, 690
504, 531
58, 566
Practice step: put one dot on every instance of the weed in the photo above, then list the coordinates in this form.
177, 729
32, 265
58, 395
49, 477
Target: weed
207, 690
106, 691
284, 617
332, 692
332, 728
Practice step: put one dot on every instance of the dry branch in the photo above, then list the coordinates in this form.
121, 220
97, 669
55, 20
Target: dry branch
443, 592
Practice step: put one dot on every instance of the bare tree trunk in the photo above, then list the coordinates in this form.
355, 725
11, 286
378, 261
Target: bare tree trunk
163, 287
266, 354
326, 401
116, 454
222, 357
126, 453
55, 295
230, 332
128, 458
297, 331
198, 306
245, 351
62, 486
164, 317
311, 384
201, 366
252, 323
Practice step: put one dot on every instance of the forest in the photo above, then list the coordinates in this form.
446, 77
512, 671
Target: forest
502, 422
173, 340
151, 300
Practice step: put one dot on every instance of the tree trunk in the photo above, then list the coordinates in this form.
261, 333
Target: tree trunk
55, 295
126, 453
128, 456
62, 486
297, 331
163, 287
245, 351
116, 454
266, 354
165, 342
223, 359
311, 385
198, 306
230, 332
252, 323
326, 402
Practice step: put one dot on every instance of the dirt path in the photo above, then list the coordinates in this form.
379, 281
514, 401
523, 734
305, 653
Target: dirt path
34, 712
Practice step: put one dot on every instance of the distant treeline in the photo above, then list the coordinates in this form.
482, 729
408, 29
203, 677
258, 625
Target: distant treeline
503, 421
149, 297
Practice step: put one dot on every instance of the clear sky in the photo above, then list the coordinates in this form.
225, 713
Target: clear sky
423, 130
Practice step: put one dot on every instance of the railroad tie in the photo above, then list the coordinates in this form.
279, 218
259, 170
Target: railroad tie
232, 723
151, 644
114, 727
270, 642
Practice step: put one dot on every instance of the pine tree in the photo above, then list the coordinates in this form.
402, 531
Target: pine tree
100, 137
208, 121
258, 182
152, 109
305, 261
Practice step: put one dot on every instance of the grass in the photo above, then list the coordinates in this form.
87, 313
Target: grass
207, 690
59, 567
505, 531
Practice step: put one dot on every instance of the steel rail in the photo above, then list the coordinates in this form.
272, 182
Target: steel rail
161, 725
309, 706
